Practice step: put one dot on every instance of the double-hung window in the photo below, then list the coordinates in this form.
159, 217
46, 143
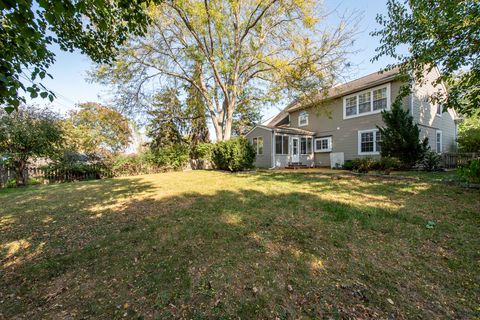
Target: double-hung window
323, 144
303, 119
305, 145
281, 144
438, 141
367, 102
258, 145
369, 142
439, 109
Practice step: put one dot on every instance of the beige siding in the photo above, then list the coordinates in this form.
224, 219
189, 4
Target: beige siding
327, 120
424, 113
265, 160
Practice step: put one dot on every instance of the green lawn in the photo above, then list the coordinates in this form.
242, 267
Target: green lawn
266, 245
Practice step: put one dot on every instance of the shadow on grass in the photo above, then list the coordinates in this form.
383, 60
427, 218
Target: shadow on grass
101, 250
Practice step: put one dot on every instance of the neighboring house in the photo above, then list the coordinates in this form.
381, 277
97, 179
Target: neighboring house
343, 125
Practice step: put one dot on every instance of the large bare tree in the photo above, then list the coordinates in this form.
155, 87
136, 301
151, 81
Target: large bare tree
248, 51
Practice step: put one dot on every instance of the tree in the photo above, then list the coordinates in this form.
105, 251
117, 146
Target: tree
96, 129
438, 33
196, 111
28, 133
400, 138
245, 118
167, 126
469, 134
29, 28
252, 49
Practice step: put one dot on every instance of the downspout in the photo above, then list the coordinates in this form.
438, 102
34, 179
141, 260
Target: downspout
273, 150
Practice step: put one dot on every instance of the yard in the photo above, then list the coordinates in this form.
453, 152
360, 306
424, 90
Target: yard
206, 244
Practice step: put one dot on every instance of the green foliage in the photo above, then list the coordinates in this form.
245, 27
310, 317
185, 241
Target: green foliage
364, 165
29, 29
471, 172
469, 134
134, 164
400, 138
233, 53
28, 133
387, 164
96, 129
12, 183
175, 156
168, 125
73, 166
438, 33
235, 154
196, 114
431, 161
203, 151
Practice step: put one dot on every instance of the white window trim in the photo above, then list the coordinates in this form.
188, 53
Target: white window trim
263, 146
306, 117
305, 154
436, 110
441, 141
374, 143
345, 117
275, 145
329, 139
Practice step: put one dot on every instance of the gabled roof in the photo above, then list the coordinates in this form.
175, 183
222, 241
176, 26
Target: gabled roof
359, 84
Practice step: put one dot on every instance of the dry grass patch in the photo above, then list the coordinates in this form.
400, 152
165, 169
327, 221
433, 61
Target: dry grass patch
212, 245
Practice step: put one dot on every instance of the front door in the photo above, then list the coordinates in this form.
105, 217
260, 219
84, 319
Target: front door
295, 150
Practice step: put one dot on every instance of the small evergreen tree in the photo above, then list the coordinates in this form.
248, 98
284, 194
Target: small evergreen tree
401, 137
196, 112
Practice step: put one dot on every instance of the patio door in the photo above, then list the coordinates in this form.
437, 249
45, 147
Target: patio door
295, 150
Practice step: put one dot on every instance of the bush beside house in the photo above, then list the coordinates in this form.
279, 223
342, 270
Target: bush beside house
235, 154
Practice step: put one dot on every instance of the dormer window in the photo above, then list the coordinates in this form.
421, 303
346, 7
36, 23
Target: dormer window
303, 119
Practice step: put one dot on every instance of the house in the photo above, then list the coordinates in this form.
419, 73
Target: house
343, 125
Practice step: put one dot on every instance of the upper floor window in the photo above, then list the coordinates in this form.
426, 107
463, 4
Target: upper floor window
305, 145
367, 102
258, 145
369, 141
439, 109
302, 119
323, 144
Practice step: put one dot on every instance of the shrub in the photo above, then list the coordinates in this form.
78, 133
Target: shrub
363, 165
387, 164
469, 134
235, 154
471, 172
348, 165
431, 161
203, 151
134, 164
175, 156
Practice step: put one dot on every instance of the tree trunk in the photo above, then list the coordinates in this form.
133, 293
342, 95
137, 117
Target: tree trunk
20, 166
227, 126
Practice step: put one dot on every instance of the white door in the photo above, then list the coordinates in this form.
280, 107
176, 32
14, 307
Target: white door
295, 150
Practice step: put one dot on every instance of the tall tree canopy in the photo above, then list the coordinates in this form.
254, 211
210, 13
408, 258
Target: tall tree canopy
245, 50
28, 133
96, 129
28, 29
438, 33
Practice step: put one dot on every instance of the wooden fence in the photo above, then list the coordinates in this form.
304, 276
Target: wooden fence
455, 160
91, 171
